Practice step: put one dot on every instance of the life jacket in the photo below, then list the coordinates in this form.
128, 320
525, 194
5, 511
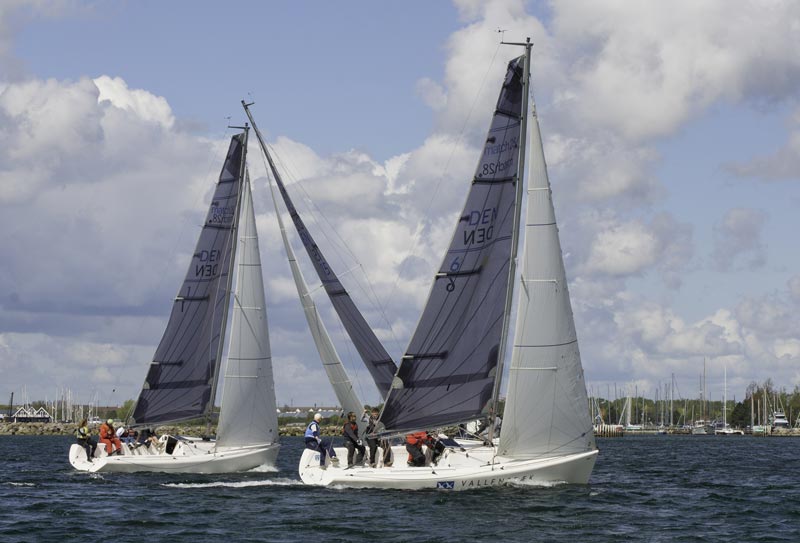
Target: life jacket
82, 432
417, 439
312, 430
353, 426
106, 431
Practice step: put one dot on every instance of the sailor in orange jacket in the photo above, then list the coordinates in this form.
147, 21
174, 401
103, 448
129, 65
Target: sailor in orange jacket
109, 437
414, 443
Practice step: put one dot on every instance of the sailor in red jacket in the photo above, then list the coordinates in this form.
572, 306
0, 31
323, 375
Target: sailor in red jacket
414, 443
109, 437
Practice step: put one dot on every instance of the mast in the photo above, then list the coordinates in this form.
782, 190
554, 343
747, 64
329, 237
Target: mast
229, 283
512, 265
725, 400
671, 399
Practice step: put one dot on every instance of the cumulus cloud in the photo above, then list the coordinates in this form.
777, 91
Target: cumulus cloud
644, 69
89, 188
431, 93
780, 165
603, 168
737, 238
97, 178
622, 249
625, 248
144, 105
794, 288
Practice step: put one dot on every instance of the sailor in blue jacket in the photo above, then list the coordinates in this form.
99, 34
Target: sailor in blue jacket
315, 442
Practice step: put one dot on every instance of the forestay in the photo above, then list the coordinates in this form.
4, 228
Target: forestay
448, 371
380, 365
182, 374
337, 375
546, 410
247, 413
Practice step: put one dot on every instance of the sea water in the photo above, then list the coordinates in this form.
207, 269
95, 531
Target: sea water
649, 488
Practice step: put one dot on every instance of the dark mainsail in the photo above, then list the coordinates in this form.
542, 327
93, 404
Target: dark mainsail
181, 377
448, 371
380, 365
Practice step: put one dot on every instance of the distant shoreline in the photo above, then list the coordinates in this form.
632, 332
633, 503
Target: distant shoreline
68, 429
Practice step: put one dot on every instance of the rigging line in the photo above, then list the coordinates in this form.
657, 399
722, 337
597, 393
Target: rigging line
340, 243
337, 321
432, 199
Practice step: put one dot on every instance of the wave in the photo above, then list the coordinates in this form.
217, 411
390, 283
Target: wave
265, 468
536, 484
236, 484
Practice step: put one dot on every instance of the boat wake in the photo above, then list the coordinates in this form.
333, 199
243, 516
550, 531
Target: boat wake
535, 484
236, 484
265, 468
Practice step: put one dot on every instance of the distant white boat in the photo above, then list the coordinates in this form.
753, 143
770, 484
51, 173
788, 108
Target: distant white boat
726, 430
779, 421
701, 428
182, 380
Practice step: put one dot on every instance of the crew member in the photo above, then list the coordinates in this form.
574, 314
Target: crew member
109, 437
352, 441
84, 437
315, 442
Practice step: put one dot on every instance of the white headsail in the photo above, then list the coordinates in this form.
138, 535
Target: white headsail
337, 375
547, 409
247, 413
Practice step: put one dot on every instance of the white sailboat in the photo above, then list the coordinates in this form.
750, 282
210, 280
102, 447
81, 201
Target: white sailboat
182, 380
726, 430
451, 371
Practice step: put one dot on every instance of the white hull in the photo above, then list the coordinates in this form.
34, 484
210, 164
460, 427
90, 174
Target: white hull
188, 456
728, 432
456, 470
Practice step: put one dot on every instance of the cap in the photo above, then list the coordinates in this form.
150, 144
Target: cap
318, 416
110, 421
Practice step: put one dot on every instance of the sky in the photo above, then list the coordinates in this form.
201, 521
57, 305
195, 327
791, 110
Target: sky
671, 131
